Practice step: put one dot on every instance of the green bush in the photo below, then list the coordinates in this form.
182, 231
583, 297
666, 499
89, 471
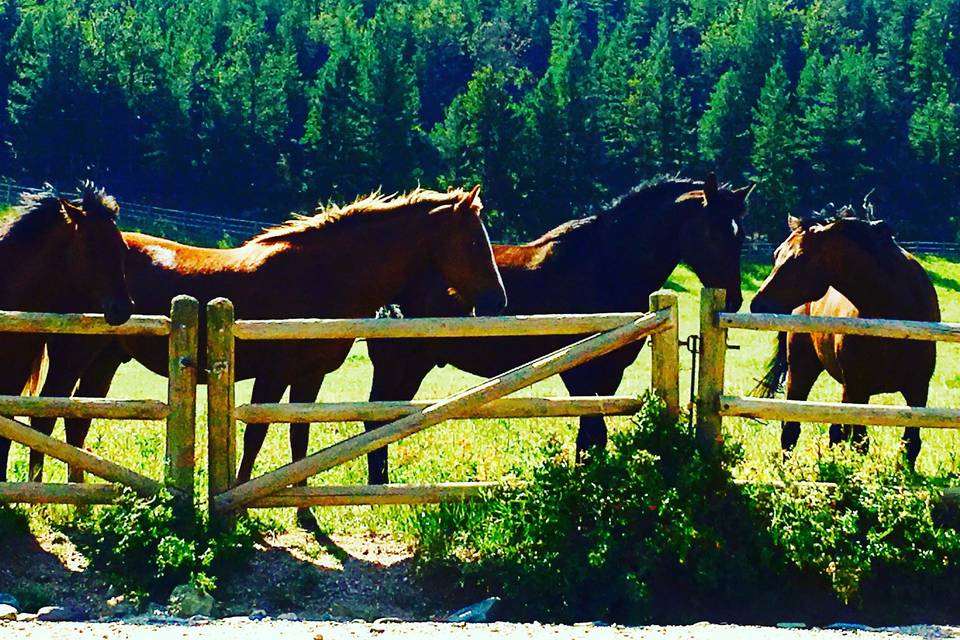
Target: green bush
145, 546
650, 531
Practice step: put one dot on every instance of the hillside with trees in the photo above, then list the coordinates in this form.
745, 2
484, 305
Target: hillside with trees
254, 108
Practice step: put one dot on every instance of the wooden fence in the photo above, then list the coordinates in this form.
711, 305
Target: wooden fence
611, 331
179, 411
713, 405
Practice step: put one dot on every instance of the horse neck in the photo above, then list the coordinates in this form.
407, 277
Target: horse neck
41, 278
378, 257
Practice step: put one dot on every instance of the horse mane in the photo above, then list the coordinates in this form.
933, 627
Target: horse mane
873, 236
361, 209
96, 202
654, 190
36, 213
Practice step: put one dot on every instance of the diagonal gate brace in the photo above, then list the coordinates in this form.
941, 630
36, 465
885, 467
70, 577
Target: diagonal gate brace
479, 395
100, 467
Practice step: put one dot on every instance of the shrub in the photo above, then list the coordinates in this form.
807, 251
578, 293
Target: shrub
145, 547
650, 531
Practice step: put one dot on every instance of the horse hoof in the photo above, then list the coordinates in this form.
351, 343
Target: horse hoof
306, 520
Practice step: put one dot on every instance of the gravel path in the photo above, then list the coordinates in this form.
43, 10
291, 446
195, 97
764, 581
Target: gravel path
280, 630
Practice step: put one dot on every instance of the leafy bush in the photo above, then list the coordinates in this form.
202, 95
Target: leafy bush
652, 531
145, 546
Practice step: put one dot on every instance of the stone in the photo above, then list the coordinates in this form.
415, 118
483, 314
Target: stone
119, 607
61, 614
289, 617
257, 614
6, 598
849, 626
187, 601
197, 621
477, 612
7, 612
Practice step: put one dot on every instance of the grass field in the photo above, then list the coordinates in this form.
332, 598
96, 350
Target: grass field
494, 449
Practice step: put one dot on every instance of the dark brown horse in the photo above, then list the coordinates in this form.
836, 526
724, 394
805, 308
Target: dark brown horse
608, 262
852, 268
57, 256
340, 263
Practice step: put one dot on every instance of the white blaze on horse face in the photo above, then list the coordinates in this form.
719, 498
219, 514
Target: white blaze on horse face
162, 256
736, 229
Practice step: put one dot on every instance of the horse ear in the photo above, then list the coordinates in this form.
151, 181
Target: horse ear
794, 223
882, 227
744, 192
470, 202
710, 187
72, 213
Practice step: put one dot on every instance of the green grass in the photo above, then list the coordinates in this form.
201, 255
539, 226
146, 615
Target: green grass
493, 449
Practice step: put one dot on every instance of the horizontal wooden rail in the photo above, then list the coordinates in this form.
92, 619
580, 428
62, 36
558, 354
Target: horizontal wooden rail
468, 327
358, 494
393, 410
38, 407
479, 395
49, 493
911, 329
81, 323
77, 458
841, 413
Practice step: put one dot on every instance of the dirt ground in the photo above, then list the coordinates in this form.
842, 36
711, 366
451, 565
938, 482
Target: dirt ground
241, 630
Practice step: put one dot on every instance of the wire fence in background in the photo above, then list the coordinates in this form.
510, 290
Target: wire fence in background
201, 226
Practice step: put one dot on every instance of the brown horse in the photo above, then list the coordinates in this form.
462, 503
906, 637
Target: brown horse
340, 263
608, 262
852, 268
57, 256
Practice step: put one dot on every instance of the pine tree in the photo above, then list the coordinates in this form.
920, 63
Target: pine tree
774, 153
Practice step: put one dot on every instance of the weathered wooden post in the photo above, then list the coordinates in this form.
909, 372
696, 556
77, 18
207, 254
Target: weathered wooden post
182, 395
665, 353
713, 351
221, 425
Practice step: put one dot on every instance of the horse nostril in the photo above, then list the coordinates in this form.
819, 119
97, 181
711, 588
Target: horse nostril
491, 303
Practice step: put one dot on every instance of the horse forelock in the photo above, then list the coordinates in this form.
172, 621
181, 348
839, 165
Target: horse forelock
97, 202
363, 208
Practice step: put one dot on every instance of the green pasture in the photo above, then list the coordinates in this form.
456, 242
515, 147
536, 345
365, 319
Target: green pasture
495, 449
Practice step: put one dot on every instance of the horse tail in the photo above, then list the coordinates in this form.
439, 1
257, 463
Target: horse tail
32, 385
772, 381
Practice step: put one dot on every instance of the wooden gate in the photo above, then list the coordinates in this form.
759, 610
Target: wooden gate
179, 411
273, 489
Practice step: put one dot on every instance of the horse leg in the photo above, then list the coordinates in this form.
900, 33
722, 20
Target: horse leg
857, 434
265, 389
95, 383
596, 378
915, 396
398, 371
303, 391
68, 357
803, 369
20, 355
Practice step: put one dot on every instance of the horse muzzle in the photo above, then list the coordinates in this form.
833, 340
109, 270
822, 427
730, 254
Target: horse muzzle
491, 302
117, 311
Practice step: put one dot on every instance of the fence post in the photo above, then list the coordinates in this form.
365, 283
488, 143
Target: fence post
665, 353
713, 351
221, 425
182, 395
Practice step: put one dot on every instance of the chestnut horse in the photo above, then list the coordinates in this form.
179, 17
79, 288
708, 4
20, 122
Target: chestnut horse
851, 268
340, 263
608, 262
57, 256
